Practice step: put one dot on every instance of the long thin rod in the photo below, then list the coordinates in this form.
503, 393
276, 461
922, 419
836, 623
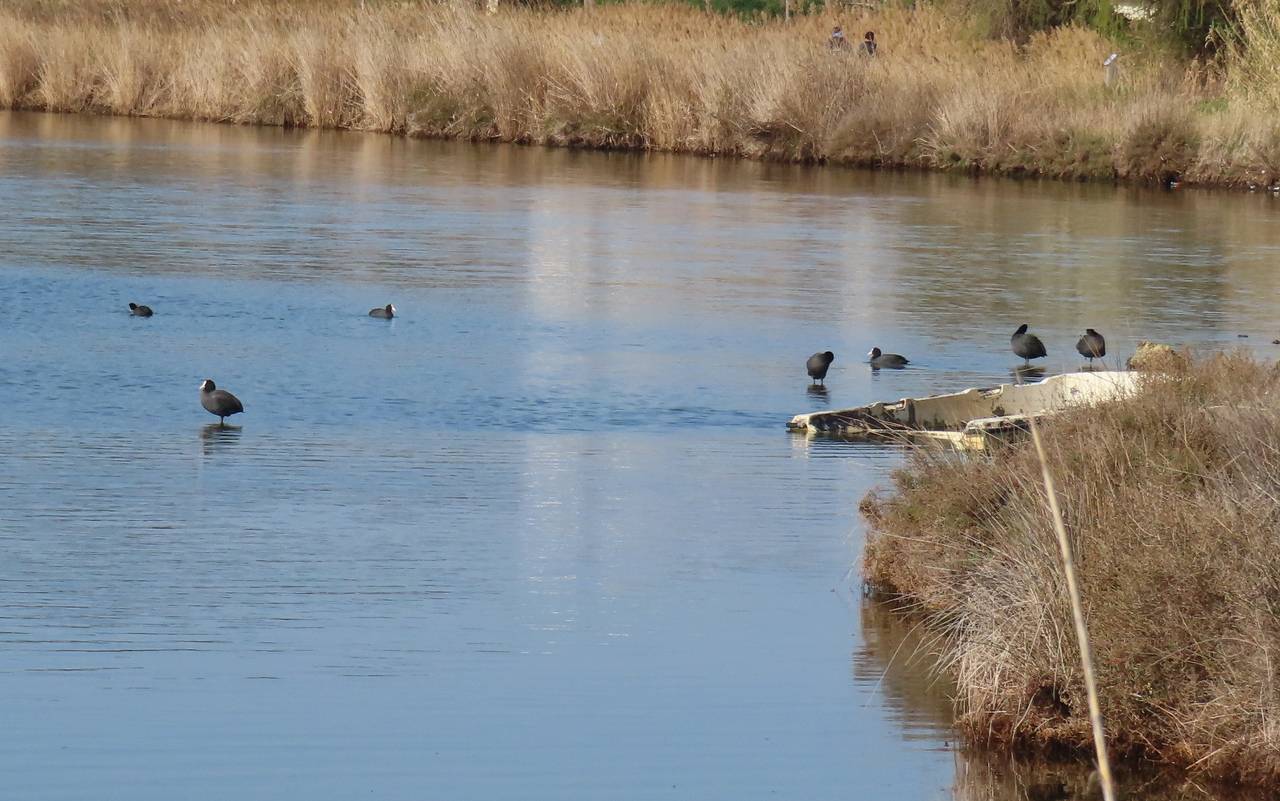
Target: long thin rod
1077, 613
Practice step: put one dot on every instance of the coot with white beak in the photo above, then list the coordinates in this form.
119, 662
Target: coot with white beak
218, 401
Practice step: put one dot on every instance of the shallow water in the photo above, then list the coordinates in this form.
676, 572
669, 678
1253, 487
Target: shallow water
543, 535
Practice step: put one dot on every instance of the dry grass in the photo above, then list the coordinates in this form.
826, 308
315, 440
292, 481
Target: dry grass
670, 78
1172, 501
1257, 55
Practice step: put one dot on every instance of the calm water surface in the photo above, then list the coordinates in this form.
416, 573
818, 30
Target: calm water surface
543, 536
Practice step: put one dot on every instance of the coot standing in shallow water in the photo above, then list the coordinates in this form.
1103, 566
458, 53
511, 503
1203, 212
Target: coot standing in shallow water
891, 360
218, 401
818, 365
385, 312
1027, 346
138, 310
1091, 345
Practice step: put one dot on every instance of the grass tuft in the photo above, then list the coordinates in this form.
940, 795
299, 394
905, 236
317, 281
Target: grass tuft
1172, 504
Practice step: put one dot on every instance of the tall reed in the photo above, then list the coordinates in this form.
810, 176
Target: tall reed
1067, 553
939, 95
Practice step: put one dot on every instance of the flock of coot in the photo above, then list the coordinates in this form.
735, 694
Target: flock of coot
220, 402
1024, 344
1091, 346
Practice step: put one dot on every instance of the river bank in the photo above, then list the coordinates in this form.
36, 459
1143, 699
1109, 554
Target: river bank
669, 78
1172, 499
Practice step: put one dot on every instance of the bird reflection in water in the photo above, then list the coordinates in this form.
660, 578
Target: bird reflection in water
1025, 373
817, 391
216, 436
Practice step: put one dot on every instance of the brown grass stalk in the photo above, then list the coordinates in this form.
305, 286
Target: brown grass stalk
1077, 619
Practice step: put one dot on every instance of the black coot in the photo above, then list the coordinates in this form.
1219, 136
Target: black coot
1092, 345
1027, 346
138, 310
218, 401
818, 365
385, 312
891, 360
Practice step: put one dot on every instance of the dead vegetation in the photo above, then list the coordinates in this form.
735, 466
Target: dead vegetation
940, 95
1172, 502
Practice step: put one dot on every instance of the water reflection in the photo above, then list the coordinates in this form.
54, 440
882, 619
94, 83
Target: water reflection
900, 656
216, 437
984, 776
988, 777
948, 262
1027, 373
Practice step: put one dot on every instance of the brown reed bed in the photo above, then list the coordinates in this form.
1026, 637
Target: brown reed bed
1171, 501
660, 77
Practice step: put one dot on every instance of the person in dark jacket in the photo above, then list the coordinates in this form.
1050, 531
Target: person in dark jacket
868, 46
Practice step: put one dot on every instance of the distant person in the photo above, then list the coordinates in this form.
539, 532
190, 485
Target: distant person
868, 46
838, 40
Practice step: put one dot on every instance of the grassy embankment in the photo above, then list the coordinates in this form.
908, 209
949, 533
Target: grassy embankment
1172, 500
940, 96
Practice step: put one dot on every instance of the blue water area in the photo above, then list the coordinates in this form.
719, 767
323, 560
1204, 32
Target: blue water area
543, 535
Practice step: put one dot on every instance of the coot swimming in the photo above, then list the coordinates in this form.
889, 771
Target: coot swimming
386, 312
138, 310
891, 360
